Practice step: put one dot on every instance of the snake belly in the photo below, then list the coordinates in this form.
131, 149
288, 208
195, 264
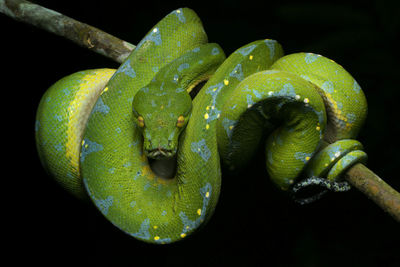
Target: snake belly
94, 145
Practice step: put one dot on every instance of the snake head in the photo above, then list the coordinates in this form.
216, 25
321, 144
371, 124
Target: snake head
161, 117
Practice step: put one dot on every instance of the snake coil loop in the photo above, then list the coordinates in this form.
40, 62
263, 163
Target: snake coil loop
100, 132
330, 162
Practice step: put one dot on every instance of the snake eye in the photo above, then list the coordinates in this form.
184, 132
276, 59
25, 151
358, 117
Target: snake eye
180, 122
140, 121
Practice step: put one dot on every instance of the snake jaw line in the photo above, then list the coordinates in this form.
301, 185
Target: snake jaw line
159, 153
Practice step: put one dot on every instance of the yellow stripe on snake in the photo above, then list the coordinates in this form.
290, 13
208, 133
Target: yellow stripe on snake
148, 155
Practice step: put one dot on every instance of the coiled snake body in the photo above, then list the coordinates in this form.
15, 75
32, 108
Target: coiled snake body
148, 156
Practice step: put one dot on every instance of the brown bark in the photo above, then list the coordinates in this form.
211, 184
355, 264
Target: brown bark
375, 188
78, 32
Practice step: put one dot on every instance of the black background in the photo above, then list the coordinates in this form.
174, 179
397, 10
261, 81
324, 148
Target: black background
254, 223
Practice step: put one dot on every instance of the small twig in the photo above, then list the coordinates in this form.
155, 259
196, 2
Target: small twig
107, 45
375, 188
78, 32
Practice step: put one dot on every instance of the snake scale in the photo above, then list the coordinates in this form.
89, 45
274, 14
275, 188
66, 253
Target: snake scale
144, 144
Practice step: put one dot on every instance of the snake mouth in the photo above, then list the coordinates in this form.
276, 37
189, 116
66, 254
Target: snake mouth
159, 153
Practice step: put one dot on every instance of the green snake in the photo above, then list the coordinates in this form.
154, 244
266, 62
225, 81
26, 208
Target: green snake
147, 153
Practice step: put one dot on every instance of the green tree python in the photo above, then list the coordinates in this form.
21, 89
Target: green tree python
147, 152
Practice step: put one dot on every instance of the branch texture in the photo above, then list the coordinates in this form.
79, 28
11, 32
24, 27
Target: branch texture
375, 188
107, 45
78, 32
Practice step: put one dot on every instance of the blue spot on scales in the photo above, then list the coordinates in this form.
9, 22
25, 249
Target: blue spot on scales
249, 100
237, 72
356, 87
180, 15
104, 204
58, 117
201, 149
176, 78
66, 91
154, 36
143, 232
59, 147
215, 51
348, 159
228, 124
310, 57
146, 186
213, 114
351, 117
303, 156
287, 90
246, 50
126, 68
271, 46
89, 147
183, 66
328, 86
100, 106
214, 90
190, 225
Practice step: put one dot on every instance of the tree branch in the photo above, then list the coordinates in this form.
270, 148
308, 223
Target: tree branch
78, 32
107, 45
375, 188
